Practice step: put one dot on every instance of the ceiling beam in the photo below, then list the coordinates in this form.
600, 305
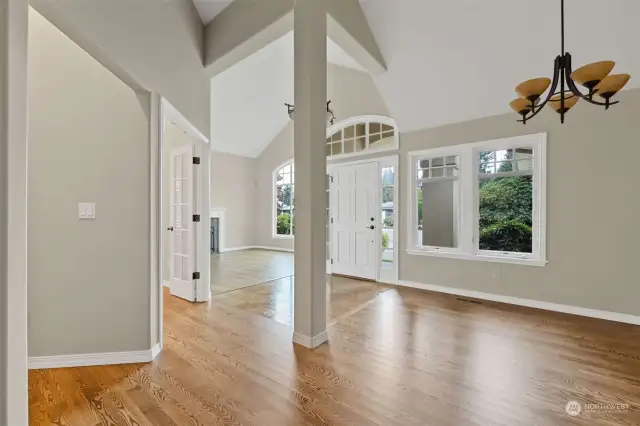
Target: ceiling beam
348, 27
243, 28
246, 26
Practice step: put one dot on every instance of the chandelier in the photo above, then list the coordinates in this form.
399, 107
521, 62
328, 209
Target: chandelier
331, 118
595, 77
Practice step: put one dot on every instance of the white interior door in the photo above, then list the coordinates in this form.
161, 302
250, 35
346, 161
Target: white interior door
353, 213
182, 229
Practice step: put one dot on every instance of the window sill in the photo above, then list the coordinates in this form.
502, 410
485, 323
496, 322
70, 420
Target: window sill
478, 257
283, 237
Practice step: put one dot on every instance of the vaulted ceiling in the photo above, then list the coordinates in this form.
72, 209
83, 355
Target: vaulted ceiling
247, 100
461, 59
208, 9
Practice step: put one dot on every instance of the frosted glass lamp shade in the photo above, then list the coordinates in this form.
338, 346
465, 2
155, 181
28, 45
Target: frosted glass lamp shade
611, 85
569, 102
521, 106
592, 74
533, 89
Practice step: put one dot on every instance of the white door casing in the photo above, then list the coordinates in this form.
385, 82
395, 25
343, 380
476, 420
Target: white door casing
181, 230
354, 215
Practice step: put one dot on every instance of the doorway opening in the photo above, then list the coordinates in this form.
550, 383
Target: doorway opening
185, 207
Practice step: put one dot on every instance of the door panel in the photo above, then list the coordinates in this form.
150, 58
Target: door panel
182, 229
353, 206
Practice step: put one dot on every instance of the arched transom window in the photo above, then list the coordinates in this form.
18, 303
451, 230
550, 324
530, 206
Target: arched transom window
284, 193
362, 135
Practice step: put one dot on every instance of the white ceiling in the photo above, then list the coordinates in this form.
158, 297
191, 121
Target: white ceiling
448, 61
456, 60
208, 9
247, 100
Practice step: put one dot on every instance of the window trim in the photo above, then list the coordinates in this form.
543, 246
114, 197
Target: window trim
367, 120
468, 235
274, 203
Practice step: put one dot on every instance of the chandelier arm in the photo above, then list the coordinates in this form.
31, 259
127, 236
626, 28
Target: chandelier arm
554, 86
574, 89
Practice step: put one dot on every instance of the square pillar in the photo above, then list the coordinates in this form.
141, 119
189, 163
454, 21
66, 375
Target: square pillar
310, 127
13, 212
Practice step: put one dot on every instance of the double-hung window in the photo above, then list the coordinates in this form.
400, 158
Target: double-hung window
480, 201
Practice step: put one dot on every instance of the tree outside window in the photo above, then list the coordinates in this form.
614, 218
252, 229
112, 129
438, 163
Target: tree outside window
505, 202
285, 200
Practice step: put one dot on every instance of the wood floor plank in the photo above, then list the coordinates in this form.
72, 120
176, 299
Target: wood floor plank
396, 356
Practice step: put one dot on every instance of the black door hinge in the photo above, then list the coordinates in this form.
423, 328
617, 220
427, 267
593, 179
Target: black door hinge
332, 261
196, 275
196, 160
196, 218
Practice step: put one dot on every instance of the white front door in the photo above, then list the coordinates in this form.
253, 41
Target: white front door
354, 220
182, 232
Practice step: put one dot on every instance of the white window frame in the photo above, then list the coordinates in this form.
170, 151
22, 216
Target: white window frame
274, 194
468, 207
367, 120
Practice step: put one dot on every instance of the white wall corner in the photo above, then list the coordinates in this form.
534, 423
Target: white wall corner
155, 351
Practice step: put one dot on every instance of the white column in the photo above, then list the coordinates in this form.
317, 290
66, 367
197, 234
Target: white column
310, 50
13, 212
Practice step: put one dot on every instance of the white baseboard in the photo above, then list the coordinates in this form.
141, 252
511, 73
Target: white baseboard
165, 283
85, 360
547, 306
310, 342
288, 250
229, 249
257, 247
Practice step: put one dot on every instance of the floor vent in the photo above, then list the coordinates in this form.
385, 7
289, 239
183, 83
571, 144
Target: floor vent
477, 302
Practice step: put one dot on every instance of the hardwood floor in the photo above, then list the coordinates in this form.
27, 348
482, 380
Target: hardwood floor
238, 269
396, 356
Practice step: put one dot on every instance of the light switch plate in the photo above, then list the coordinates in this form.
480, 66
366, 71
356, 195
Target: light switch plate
87, 210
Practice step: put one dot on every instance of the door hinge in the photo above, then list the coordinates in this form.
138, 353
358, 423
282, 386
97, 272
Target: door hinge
331, 220
196, 275
196, 160
332, 261
331, 177
196, 218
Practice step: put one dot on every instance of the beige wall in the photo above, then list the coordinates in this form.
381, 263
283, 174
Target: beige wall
156, 45
592, 210
233, 187
88, 288
352, 93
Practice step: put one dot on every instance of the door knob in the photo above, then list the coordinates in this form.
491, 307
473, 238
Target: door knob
170, 228
373, 219
371, 227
